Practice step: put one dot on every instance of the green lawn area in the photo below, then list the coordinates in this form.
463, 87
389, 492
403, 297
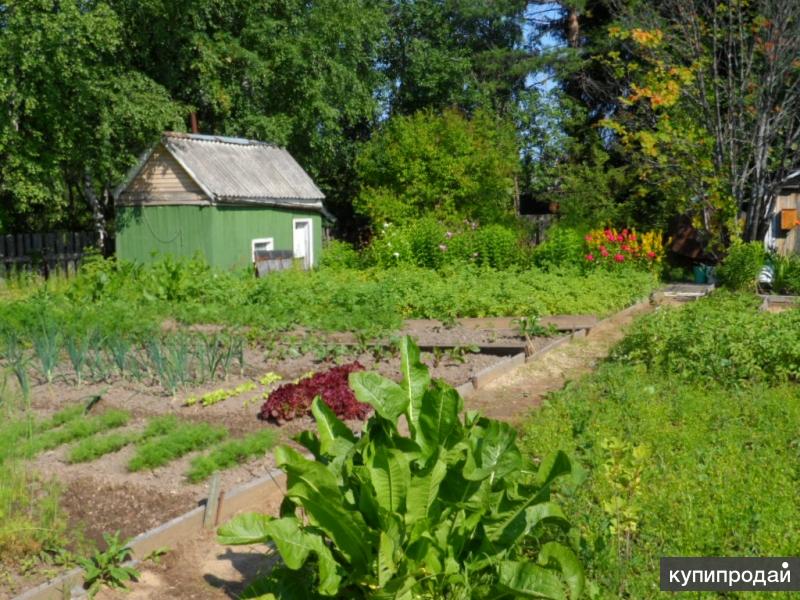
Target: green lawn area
681, 457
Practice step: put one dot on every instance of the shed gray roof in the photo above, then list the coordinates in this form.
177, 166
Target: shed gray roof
238, 170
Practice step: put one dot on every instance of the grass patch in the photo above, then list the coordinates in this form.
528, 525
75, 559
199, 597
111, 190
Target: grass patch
30, 515
670, 468
94, 447
31, 521
181, 440
231, 453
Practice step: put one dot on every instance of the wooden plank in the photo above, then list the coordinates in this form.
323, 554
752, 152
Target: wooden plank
49, 244
210, 516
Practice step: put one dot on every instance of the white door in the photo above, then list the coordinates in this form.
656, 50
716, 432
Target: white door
303, 242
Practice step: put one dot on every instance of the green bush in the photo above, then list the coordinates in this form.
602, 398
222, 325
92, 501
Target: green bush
722, 338
741, 267
438, 513
337, 254
442, 164
430, 244
672, 468
564, 248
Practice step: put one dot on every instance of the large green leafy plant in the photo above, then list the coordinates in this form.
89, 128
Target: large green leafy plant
438, 513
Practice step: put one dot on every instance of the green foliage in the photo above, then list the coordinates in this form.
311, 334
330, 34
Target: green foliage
429, 244
93, 447
32, 523
213, 397
73, 430
370, 301
564, 248
438, 513
75, 110
741, 267
107, 568
337, 254
178, 441
593, 191
231, 453
445, 165
31, 518
723, 338
531, 326
785, 274
440, 55
668, 467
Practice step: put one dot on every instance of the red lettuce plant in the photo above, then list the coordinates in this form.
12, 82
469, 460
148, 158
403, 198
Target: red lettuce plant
293, 400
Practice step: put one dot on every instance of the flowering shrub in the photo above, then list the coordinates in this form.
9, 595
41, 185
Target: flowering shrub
293, 400
611, 248
431, 244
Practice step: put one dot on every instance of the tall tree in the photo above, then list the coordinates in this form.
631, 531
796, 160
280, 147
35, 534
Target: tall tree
466, 53
300, 74
441, 164
74, 119
720, 83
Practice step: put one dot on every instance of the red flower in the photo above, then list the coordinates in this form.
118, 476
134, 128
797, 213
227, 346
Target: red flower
603, 251
588, 238
590, 257
626, 248
619, 257
619, 237
651, 255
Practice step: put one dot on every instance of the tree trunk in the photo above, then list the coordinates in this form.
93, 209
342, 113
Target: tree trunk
573, 29
97, 210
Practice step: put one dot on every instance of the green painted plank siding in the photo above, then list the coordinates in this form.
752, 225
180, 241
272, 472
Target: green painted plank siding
234, 227
222, 234
177, 230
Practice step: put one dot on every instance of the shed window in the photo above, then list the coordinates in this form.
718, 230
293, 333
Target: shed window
260, 246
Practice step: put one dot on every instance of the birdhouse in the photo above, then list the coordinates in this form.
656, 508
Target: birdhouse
788, 218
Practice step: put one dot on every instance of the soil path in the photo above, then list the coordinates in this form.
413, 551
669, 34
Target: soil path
203, 569
511, 397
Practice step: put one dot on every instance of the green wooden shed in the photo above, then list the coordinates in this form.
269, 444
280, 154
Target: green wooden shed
231, 200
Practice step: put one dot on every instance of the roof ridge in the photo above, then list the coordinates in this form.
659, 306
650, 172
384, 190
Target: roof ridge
218, 139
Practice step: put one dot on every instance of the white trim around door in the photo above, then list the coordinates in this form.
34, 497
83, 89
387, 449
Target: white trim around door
308, 257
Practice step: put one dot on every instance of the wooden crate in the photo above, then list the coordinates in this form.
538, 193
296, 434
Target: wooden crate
788, 218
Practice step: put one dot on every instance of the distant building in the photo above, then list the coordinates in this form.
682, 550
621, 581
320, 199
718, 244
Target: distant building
229, 199
783, 234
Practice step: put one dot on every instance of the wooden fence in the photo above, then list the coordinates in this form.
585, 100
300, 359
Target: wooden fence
44, 253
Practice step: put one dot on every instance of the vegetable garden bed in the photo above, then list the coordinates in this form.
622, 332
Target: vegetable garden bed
118, 473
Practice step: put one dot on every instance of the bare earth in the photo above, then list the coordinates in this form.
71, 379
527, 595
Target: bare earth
512, 397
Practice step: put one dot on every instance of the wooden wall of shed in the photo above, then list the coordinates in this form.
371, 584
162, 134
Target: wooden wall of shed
222, 235
162, 180
787, 242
